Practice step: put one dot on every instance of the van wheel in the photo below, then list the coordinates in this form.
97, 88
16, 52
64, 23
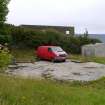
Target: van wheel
53, 60
64, 60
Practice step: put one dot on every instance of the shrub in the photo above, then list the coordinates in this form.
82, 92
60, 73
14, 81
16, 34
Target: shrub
34, 38
5, 59
5, 39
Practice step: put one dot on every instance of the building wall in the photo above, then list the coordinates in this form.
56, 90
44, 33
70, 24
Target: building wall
100, 50
97, 50
62, 29
88, 51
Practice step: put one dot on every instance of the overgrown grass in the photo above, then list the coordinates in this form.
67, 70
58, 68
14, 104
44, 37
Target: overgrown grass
5, 60
23, 55
15, 91
88, 59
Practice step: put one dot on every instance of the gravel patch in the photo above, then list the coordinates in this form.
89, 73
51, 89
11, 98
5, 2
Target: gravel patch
60, 71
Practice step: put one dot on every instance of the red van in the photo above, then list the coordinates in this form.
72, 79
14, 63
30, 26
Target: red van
54, 53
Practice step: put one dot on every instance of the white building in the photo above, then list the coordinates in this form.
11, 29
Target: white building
97, 50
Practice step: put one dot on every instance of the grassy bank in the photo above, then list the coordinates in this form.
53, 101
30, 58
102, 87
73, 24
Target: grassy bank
14, 91
88, 59
25, 55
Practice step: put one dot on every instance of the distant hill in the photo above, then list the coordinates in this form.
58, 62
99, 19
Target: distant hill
98, 36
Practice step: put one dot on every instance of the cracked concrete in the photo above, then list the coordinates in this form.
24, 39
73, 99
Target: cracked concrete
60, 71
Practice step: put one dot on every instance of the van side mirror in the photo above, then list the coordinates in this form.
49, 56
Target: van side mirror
49, 50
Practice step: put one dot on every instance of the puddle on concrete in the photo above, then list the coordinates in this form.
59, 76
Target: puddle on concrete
77, 73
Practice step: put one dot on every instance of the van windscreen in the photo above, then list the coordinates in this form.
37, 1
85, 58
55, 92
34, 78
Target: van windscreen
58, 49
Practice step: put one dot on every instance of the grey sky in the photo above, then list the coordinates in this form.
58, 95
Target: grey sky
81, 14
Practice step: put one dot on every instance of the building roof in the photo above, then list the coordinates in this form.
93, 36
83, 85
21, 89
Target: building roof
94, 45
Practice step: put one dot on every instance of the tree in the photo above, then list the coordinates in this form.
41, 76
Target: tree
3, 13
86, 34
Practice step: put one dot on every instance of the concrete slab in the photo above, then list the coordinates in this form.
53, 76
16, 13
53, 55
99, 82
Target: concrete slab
60, 71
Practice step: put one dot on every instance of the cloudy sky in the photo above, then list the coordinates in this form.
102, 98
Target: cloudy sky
81, 14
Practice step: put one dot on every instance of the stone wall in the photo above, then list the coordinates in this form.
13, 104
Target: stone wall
66, 30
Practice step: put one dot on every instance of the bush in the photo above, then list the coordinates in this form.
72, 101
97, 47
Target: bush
34, 38
5, 39
5, 59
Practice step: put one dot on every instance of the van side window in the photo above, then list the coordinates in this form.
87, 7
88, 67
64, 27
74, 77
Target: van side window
49, 49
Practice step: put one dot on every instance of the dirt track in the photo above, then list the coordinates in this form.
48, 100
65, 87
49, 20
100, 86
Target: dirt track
60, 71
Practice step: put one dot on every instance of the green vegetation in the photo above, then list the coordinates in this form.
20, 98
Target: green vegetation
3, 13
27, 38
5, 59
24, 55
88, 59
5, 37
14, 91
